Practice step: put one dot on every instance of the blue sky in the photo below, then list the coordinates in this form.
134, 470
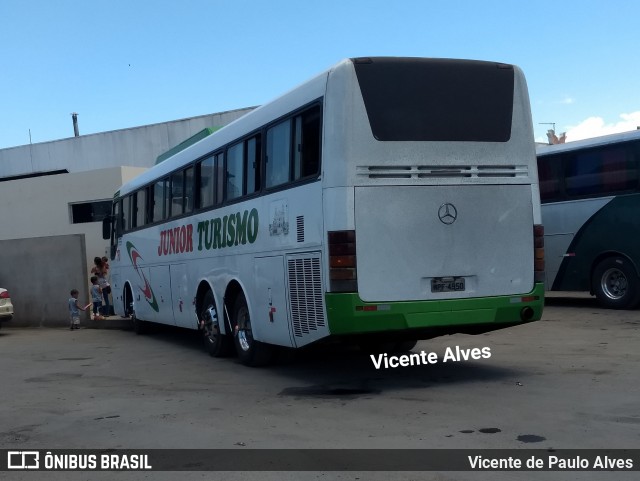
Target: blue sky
121, 64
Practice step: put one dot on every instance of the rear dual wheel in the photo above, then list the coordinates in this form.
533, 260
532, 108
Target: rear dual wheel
216, 343
616, 284
250, 352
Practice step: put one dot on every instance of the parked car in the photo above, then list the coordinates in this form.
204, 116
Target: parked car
6, 308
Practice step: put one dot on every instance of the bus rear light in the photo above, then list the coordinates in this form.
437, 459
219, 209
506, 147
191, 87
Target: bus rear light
343, 276
4, 295
538, 253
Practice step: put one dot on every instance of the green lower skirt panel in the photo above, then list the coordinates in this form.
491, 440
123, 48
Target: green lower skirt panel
348, 314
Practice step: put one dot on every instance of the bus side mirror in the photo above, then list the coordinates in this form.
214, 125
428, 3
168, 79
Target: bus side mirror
106, 227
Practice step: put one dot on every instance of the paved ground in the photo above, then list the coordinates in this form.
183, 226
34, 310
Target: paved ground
569, 381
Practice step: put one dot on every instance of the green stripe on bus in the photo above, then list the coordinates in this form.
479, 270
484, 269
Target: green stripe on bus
348, 314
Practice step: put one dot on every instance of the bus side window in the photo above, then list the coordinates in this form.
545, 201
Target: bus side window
206, 186
219, 179
126, 213
253, 165
158, 201
235, 174
307, 144
188, 189
278, 154
140, 208
117, 215
177, 194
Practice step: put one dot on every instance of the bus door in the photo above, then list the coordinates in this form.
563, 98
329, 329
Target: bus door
183, 313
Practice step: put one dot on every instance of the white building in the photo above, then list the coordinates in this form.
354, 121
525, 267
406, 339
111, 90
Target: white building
65, 186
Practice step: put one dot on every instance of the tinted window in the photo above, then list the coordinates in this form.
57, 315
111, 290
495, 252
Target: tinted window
188, 190
437, 100
235, 172
307, 145
253, 165
601, 171
206, 182
140, 217
550, 175
158, 200
177, 194
278, 157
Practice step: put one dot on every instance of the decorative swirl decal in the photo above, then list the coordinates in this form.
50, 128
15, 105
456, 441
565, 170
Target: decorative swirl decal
147, 292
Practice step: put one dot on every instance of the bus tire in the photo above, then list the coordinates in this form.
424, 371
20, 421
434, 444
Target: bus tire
250, 352
139, 326
616, 283
216, 343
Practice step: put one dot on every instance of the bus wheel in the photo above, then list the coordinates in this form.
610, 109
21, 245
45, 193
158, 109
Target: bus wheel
616, 283
216, 344
139, 326
251, 352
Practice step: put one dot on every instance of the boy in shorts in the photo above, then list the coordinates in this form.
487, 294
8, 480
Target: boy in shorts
74, 310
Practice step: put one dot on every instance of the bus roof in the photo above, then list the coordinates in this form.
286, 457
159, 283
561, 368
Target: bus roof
542, 150
295, 98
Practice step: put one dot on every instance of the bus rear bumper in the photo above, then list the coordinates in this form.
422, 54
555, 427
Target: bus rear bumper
347, 314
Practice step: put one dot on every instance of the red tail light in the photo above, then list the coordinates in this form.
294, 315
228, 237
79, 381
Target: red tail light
343, 276
538, 250
4, 295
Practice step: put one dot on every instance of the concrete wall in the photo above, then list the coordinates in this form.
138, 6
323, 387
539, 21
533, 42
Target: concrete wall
39, 273
40, 206
136, 147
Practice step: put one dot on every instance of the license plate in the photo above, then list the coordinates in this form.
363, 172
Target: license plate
447, 284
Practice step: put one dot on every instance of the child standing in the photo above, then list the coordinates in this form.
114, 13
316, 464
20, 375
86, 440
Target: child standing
74, 310
96, 297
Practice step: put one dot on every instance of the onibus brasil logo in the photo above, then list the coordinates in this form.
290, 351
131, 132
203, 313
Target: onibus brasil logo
149, 296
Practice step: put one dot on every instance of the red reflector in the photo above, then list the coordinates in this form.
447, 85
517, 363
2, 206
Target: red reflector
530, 298
538, 230
342, 261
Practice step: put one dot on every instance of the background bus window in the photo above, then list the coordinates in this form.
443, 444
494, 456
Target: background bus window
253, 165
188, 190
550, 175
278, 154
307, 151
599, 172
206, 182
177, 194
235, 172
620, 170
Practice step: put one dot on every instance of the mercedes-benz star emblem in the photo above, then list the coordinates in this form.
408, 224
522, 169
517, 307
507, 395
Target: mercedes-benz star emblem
447, 213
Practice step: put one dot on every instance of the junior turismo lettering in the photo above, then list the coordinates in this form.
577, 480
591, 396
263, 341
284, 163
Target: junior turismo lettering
176, 240
227, 231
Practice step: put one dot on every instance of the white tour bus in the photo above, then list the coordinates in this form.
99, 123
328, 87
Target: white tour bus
384, 201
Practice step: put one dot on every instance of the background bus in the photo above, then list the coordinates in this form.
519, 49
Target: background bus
591, 212
386, 200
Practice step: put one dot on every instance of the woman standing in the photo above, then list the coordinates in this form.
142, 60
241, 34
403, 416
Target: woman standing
101, 271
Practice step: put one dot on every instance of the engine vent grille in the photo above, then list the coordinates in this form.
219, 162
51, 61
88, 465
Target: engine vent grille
300, 228
305, 295
440, 171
